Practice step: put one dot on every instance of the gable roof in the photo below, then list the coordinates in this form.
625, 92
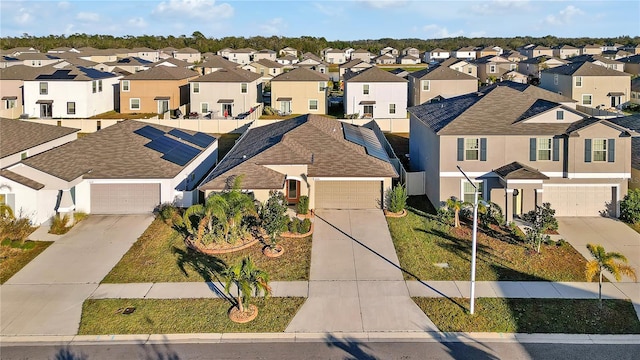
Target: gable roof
269, 63
18, 135
163, 73
516, 170
217, 61
21, 179
174, 61
584, 69
115, 152
23, 72
229, 76
634, 59
441, 73
301, 74
74, 73
129, 61
311, 140
373, 74
494, 110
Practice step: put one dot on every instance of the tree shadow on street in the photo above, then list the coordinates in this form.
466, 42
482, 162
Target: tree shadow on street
355, 349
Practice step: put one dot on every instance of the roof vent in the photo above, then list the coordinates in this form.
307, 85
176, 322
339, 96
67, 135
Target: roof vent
244, 156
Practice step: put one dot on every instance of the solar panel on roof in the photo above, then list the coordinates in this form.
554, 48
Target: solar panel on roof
181, 154
199, 139
149, 132
163, 144
204, 138
367, 138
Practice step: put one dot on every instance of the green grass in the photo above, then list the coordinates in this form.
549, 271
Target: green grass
14, 256
422, 241
171, 316
571, 316
160, 255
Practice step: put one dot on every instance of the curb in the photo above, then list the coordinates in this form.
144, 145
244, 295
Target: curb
219, 338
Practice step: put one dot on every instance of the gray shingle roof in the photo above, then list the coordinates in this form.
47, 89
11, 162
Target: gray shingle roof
18, 135
440, 73
163, 73
634, 59
584, 69
229, 76
373, 74
217, 61
516, 170
301, 74
631, 122
311, 140
23, 72
21, 179
269, 63
115, 152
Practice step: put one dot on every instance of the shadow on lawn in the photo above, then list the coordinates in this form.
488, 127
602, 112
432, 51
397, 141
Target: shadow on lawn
208, 267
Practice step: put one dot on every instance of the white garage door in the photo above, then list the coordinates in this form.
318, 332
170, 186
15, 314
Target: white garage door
348, 194
124, 198
580, 200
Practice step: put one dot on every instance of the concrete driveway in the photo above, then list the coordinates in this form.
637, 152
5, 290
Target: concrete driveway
612, 234
355, 282
46, 296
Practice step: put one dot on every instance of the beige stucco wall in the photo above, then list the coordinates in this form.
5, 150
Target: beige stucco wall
147, 90
212, 92
11, 88
465, 67
597, 86
300, 92
444, 88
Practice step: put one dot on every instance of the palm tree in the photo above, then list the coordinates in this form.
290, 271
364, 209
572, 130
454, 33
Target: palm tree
613, 262
455, 204
249, 281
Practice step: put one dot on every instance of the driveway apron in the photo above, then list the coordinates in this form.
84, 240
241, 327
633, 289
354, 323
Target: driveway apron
355, 281
46, 296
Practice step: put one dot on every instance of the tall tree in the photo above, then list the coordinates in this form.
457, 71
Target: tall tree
613, 262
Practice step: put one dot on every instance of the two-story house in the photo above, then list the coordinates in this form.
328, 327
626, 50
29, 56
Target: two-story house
436, 54
266, 68
591, 49
288, 51
188, 54
590, 85
601, 61
631, 64
241, 56
335, 56
534, 65
70, 92
375, 93
226, 93
463, 66
439, 82
300, 91
410, 51
145, 53
215, 63
267, 54
521, 146
354, 66
467, 52
156, 90
492, 68
565, 51
535, 51
362, 55
11, 88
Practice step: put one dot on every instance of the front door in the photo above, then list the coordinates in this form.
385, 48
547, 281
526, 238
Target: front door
615, 101
163, 106
285, 107
227, 110
293, 191
45, 110
517, 202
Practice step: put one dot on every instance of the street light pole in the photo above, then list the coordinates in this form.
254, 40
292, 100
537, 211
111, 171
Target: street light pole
474, 242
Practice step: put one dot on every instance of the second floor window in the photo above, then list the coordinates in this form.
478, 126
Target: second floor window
426, 85
71, 108
492, 69
559, 115
125, 85
196, 88
578, 80
599, 150
471, 149
586, 99
365, 89
544, 149
313, 104
392, 108
243, 88
94, 86
44, 88
555, 79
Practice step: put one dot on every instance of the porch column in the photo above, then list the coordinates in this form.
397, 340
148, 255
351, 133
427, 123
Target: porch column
66, 205
539, 194
508, 204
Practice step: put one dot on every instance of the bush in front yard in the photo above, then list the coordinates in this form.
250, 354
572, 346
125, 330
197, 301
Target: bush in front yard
397, 198
630, 207
544, 216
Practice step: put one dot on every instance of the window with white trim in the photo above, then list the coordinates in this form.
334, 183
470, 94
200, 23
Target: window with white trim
99, 85
492, 69
578, 81
243, 88
426, 85
365, 89
322, 86
544, 148
599, 150
204, 107
586, 99
71, 108
125, 85
196, 87
11, 103
94, 86
134, 104
313, 104
468, 191
392, 108
44, 88
472, 149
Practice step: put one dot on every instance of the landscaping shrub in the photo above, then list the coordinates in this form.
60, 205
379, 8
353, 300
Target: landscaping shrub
169, 214
12, 228
544, 215
273, 215
268, 110
515, 231
445, 215
549, 242
305, 226
397, 198
79, 216
303, 205
630, 207
294, 226
59, 225
561, 242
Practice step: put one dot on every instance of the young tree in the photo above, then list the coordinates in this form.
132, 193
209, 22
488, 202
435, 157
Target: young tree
455, 205
249, 281
613, 262
273, 216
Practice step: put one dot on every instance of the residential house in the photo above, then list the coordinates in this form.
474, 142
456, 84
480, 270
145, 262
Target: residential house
70, 92
375, 93
464, 66
361, 54
410, 51
145, 53
633, 49
157, 90
101, 56
408, 60
354, 66
81, 62
514, 56
439, 82
188, 54
167, 52
266, 68
436, 54
467, 52
226, 92
288, 60
288, 51
590, 85
565, 51
335, 56
11, 88
315, 65
128, 168
224, 52
631, 64
521, 146
635, 94
591, 49
486, 51
20, 50
129, 64
173, 62
386, 59
632, 122
389, 50
516, 77
312, 56
300, 91
616, 54
533, 66
399, 72
491, 68
535, 51
349, 51
21, 139
306, 156
7, 61
215, 63
38, 59
241, 56
601, 61
265, 54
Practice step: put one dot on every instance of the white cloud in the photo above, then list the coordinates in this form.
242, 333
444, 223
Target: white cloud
64, 4
273, 26
383, 4
23, 16
496, 7
564, 16
205, 9
436, 31
138, 22
329, 10
88, 16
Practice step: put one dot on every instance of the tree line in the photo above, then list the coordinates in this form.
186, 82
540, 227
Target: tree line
303, 43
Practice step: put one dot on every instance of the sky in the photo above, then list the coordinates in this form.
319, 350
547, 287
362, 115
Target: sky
331, 19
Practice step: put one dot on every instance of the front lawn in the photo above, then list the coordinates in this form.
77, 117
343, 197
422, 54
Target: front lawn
171, 316
571, 316
14, 256
160, 255
422, 241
